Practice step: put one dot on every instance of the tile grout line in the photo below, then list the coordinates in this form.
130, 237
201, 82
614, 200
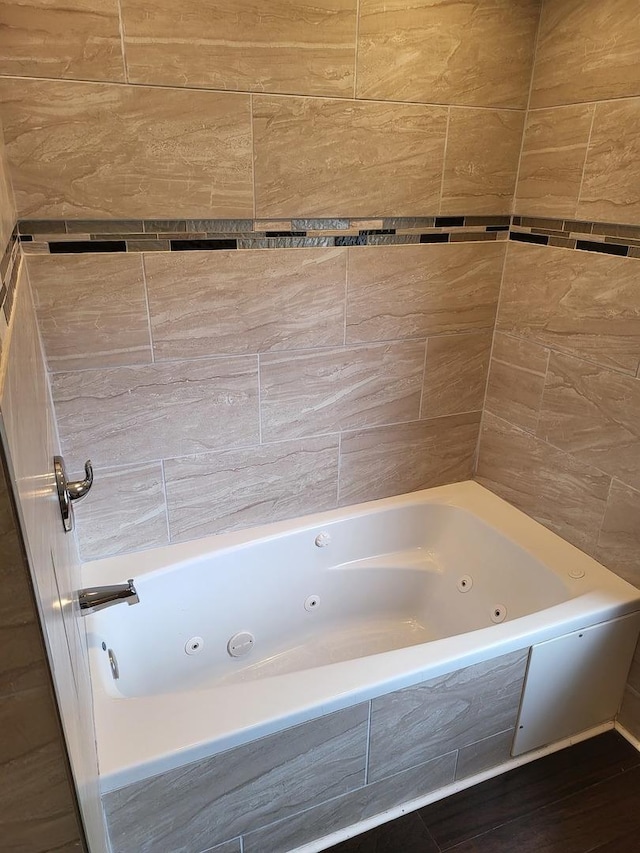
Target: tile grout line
368, 749
355, 56
146, 302
586, 157
444, 160
424, 380
166, 501
259, 378
122, 48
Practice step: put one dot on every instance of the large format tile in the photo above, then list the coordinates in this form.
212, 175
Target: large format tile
318, 392
418, 291
170, 152
488, 752
92, 310
629, 714
128, 415
390, 460
415, 724
316, 157
477, 53
594, 414
207, 303
279, 481
7, 205
577, 302
300, 47
587, 51
618, 545
612, 171
552, 161
187, 809
124, 512
481, 162
358, 805
521, 792
455, 374
516, 380
76, 39
566, 495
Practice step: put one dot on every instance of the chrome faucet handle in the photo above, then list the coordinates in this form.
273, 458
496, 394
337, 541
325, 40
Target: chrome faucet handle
70, 490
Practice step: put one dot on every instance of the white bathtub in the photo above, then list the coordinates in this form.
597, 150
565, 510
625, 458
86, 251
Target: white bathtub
341, 607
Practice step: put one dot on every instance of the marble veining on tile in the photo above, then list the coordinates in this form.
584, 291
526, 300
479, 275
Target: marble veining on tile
208, 303
594, 414
436, 289
126, 512
194, 807
619, 538
75, 39
489, 752
455, 374
91, 313
125, 415
582, 304
299, 47
477, 53
171, 152
279, 481
516, 380
316, 392
415, 724
382, 156
390, 460
566, 495
283, 836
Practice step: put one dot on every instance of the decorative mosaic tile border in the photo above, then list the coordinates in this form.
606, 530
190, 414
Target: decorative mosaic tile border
9, 269
603, 237
179, 235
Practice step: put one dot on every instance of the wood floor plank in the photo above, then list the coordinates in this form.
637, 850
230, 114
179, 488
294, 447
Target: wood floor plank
524, 790
406, 834
602, 814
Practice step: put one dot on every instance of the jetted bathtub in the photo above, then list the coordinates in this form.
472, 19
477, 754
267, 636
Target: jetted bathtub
240, 635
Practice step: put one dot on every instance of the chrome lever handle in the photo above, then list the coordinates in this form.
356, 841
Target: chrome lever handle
69, 491
78, 488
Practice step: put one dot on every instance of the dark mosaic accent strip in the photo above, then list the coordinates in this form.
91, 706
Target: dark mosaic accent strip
604, 237
9, 269
179, 235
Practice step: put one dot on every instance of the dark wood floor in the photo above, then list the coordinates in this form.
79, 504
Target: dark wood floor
584, 799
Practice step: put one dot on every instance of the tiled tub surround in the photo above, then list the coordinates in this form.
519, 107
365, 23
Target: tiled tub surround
560, 435
320, 376
328, 773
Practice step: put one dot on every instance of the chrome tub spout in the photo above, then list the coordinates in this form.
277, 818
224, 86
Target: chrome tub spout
98, 597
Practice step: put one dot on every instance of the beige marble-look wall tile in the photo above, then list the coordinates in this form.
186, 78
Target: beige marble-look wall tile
194, 807
587, 51
611, 186
385, 461
76, 39
299, 47
170, 152
347, 810
455, 374
481, 163
516, 380
130, 415
477, 53
552, 161
206, 303
7, 204
566, 495
594, 414
316, 157
417, 723
421, 290
124, 512
279, 481
618, 545
91, 309
316, 392
578, 302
